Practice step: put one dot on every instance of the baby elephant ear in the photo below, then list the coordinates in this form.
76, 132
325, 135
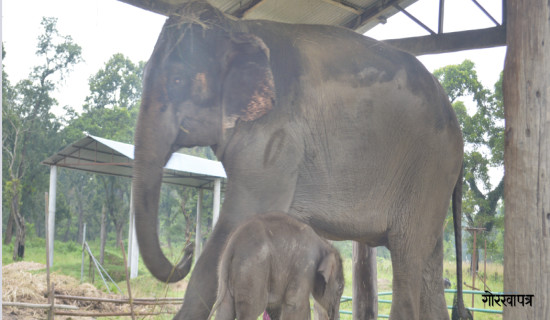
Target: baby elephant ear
248, 88
324, 272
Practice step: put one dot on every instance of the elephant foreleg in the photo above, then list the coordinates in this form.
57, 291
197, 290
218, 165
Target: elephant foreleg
202, 288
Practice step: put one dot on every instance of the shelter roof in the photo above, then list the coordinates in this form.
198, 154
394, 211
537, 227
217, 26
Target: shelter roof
104, 156
358, 15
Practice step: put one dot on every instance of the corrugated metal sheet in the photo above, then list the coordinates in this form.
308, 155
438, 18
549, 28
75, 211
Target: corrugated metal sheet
104, 156
360, 15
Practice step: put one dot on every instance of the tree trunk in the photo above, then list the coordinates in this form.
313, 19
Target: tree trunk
68, 228
119, 233
9, 230
526, 90
103, 233
19, 245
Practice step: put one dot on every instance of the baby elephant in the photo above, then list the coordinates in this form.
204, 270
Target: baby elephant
274, 262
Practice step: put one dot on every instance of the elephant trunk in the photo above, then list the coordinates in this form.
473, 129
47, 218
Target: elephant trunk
148, 168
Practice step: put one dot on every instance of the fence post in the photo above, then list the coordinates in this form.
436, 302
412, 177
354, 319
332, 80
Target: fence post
365, 296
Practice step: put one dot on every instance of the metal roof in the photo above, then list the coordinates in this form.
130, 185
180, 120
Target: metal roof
104, 156
359, 15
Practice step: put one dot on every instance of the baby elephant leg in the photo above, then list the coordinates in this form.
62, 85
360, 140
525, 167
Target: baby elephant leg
226, 310
299, 310
250, 294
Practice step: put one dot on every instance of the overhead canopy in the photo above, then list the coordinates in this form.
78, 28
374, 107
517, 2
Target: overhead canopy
99, 155
358, 15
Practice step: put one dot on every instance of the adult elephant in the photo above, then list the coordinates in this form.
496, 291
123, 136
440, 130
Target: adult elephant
345, 133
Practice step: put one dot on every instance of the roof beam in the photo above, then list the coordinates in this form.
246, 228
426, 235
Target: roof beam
345, 6
452, 42
164, 7
413, 18
369, 13
246, 9
486, 12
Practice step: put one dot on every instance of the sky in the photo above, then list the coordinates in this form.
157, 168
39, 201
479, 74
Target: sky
105, 27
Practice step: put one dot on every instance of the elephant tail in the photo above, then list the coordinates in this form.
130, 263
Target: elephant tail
459, 311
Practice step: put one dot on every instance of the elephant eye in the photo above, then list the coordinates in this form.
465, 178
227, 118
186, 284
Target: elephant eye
178, 88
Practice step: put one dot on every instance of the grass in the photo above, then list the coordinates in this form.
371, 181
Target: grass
67, 261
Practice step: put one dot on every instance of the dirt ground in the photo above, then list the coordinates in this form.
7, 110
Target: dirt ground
21, 283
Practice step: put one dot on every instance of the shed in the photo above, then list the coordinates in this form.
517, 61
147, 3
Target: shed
104, 156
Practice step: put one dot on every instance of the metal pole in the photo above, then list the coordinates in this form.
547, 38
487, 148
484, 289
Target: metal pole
51, 211
441, 16
217, 199
48, 284
133, 249
474, 266
198, 236
83, 254
485, 270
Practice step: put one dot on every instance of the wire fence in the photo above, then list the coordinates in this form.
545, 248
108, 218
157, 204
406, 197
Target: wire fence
389, 293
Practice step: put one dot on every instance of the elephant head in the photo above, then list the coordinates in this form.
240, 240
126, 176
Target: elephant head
329, 284
200, 82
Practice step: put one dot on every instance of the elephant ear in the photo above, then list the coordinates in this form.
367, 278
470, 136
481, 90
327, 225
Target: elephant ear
248, 88
323, 275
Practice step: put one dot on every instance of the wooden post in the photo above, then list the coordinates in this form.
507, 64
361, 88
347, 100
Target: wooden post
365, 295
131, 301
51, 297
526, 90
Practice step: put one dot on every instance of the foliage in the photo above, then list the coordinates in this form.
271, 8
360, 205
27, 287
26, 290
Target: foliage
29, 128
117, 85
483, 131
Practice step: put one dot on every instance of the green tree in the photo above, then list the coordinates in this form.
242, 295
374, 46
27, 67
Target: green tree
483, 132
110, 111
29, 126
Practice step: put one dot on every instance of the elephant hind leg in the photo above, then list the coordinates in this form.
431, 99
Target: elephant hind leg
251, 294
432, 298
248, 310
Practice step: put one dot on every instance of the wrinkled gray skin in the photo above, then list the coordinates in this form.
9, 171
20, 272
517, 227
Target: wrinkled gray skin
275, 262
346, 134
